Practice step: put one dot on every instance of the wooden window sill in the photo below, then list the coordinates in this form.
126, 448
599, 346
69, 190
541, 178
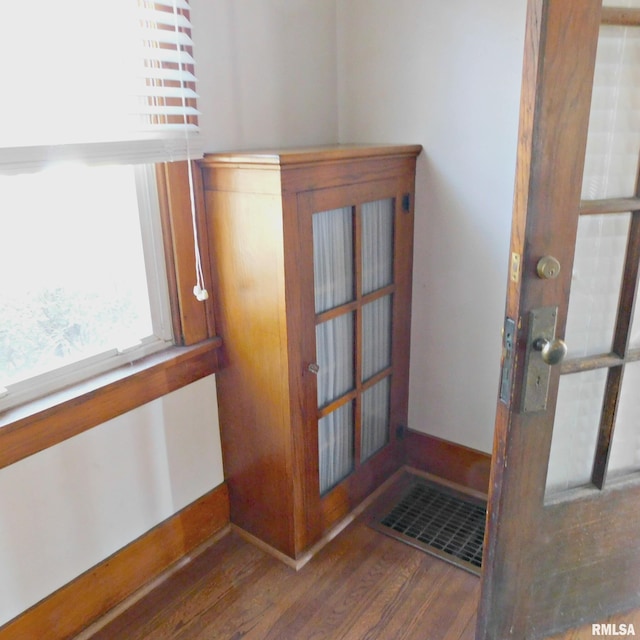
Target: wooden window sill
43, 423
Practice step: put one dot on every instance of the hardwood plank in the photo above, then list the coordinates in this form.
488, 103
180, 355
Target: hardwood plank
362, 584
91, 595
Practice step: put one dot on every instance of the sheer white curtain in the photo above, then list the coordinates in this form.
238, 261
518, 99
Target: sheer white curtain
335, 444
334, 346
376, 336
375, 418
376, 356
377, 244
333, 258
377, 272
334, 285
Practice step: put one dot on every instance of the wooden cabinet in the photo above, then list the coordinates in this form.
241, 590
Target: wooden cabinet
313, 255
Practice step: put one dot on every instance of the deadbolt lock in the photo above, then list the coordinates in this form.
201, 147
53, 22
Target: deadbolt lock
548, 268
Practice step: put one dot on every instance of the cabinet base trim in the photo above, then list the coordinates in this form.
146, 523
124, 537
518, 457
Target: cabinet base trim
298, 563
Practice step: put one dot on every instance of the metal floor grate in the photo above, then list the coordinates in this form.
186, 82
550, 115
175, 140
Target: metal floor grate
441, 522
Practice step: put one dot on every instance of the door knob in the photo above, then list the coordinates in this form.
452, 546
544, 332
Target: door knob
552, 351
543, 349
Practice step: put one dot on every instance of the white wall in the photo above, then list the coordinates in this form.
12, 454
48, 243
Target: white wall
267, 72
445, 75
67, 508
298, 72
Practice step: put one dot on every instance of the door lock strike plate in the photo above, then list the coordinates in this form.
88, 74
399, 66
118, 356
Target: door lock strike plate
514, 271
508, 350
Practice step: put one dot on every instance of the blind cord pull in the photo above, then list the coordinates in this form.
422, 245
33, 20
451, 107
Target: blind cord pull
199, 289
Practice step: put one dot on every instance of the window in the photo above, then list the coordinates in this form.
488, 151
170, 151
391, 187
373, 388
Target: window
101, 93
84, 285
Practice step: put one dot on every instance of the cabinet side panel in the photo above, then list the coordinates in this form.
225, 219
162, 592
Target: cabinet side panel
246, 237
403, 251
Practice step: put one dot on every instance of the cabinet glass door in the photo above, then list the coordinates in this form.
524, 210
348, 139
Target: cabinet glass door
353, 261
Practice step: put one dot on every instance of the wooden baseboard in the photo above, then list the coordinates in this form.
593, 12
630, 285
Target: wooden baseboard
91, 595
448, 460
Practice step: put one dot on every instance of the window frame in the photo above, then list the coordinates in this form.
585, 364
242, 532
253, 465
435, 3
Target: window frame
41, 423
75, 371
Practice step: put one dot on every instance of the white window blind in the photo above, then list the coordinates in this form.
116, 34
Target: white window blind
96, 82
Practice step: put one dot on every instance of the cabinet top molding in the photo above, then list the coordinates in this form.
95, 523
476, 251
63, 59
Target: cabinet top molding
300, 155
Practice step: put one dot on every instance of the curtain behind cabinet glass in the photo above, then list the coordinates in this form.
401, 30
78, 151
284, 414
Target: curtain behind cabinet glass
377, 272
335, 285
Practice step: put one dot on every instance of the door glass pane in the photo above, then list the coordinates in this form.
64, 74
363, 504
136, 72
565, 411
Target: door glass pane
334, 354
376, 336
625, 448
614, 124
333, 258
595, 286
335, 446
575, 430
377, 244
634, 336
375, 418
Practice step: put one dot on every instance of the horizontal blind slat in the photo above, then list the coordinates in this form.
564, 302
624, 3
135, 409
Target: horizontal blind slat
116, 95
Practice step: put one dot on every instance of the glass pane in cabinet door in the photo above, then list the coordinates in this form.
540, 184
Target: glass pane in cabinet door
334, 355
376, 337
333, 258
377, 245
375, 418
335, 446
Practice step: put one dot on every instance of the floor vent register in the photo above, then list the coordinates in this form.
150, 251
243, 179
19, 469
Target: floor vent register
440, 521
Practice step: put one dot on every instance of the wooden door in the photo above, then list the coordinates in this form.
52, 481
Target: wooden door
563, 534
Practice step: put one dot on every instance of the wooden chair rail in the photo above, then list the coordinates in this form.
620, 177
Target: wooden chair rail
45, 422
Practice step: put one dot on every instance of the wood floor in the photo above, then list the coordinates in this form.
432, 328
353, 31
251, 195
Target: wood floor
361, 586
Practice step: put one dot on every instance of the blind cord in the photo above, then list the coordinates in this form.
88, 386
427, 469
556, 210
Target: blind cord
199, 289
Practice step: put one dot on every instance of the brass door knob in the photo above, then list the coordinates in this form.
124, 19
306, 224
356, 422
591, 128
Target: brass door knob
552, 351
